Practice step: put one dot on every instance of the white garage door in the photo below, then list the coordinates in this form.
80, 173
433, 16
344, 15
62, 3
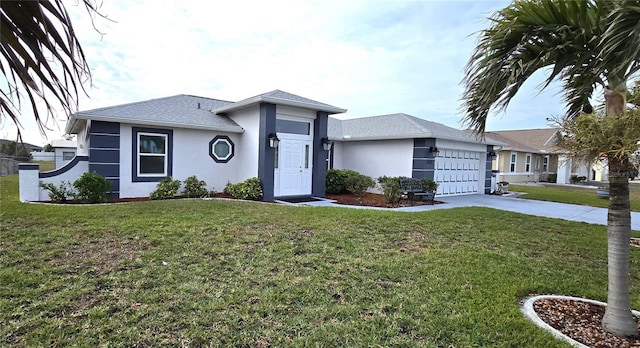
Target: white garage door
457, 172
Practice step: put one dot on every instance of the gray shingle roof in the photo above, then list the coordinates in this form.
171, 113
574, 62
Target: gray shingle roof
395, 126
281, 98
544, 140
182, 111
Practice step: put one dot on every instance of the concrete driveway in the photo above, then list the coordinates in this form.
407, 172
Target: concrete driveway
564, 211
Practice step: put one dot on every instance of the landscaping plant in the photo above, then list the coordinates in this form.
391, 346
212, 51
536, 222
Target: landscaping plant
337, 179
250, 189
92, 188
166, 189
58, 193
359, 184
391, 188
194, 188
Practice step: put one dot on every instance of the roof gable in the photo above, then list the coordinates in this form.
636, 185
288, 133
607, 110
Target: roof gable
529, 140
279, 97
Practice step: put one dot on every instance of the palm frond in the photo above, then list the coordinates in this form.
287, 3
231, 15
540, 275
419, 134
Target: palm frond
621, 41
40, 56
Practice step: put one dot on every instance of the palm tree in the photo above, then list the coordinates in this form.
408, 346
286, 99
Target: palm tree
584, 45
41, 57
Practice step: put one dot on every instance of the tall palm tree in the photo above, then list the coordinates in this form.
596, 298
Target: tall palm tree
40, 57
584, 45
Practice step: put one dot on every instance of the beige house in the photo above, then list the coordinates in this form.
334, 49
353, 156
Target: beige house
533, 155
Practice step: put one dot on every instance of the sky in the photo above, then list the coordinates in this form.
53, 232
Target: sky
370, 57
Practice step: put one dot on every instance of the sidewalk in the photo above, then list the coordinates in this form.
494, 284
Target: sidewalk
564, 211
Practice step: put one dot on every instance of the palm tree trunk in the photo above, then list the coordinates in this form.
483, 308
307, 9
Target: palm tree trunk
618, 318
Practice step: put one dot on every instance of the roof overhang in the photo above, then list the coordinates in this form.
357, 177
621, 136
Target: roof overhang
278, 101
75, 118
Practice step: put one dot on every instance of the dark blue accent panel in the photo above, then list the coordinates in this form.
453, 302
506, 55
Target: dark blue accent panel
423, 163
420, 174
103, 141
66, 167
105, 127
104, 156
420, 143
488, 171
106, 170
28, 166
134, 153
319, 174
421, 152
266, 154
115, 185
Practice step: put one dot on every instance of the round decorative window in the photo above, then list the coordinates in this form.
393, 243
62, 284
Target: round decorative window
221, 149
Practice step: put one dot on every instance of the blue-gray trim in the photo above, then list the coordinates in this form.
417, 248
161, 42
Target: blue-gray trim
28, 166
105, 127
134, 153
231, 145
423, 164
104, 153
488, 171
64, 169
266, 154
319, 171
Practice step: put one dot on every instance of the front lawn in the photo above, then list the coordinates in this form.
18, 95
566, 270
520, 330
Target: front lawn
231, 273
573, 195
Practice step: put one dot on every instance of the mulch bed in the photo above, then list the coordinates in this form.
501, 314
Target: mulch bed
581, 321
374, 200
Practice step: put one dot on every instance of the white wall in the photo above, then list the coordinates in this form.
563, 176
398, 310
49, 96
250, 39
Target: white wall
247, 151
375, 158
190, 157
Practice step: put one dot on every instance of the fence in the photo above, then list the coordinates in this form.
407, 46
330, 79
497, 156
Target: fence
8, 166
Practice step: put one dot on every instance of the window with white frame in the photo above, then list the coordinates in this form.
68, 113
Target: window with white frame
151, 154
545, 164
527, 163
512, 164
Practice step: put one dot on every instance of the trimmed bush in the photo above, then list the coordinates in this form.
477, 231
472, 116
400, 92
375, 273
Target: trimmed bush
250, 189
391, 188
337, 178
60, 193
166, 189
358, 184
92, 188
194, 188
429, 185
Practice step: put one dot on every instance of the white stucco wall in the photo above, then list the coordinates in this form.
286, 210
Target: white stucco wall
247, 152
190, 157
375, 158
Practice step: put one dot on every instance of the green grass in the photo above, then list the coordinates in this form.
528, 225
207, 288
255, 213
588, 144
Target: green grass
230, 273
46, 166
573, 195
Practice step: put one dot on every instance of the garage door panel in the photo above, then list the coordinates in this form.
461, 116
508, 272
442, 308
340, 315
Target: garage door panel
457, 172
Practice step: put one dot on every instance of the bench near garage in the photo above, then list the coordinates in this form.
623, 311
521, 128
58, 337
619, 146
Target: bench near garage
412, 188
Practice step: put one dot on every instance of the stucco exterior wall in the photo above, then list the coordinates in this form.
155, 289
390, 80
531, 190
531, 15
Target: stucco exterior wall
375, 158
190, 157
247, 151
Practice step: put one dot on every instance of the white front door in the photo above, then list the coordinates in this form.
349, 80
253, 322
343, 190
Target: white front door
294, 167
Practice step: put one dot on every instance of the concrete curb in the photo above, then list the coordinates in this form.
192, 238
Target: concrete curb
530, 313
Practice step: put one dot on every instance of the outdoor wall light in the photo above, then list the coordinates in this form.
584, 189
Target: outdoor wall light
434, 150
326, 143
274, 141
492, 155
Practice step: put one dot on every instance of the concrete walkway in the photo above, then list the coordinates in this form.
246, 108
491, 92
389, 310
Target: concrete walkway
564, 211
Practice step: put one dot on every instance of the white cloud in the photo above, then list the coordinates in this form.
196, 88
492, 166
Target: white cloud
371, 57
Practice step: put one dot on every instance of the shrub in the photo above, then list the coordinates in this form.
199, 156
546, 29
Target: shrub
358, 184
60, 193
194, 188
391, 188
429, 185
92, 187
249, 189
167, 188
336, 180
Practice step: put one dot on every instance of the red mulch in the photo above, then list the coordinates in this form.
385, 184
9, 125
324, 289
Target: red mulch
582, 321
374, 200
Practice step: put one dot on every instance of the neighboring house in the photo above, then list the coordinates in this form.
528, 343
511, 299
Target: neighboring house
532, 155
64, 151
281, 138
404, 145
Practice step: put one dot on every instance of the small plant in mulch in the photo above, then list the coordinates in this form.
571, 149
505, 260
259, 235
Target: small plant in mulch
166, 189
